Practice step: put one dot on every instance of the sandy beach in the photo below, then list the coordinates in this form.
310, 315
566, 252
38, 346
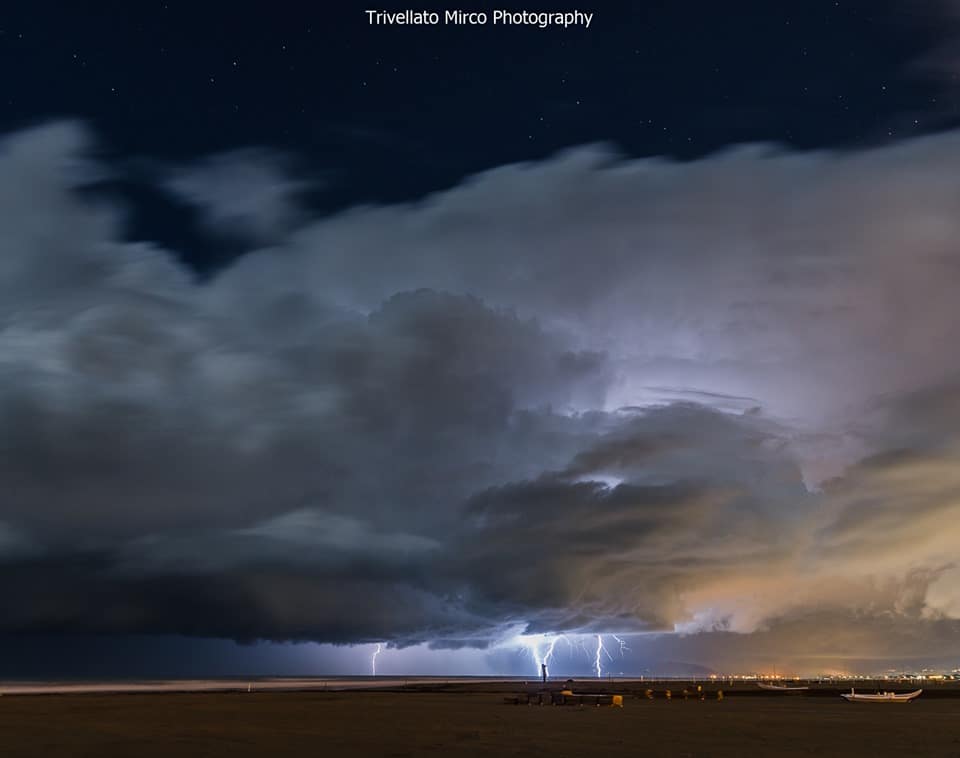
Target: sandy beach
466, 722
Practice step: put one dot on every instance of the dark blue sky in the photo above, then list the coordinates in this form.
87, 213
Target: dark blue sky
389, 114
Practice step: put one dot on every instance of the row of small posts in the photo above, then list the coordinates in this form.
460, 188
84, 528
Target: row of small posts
564, 698
686, 693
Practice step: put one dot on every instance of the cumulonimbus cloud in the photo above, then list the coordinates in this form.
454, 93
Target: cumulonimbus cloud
588, 394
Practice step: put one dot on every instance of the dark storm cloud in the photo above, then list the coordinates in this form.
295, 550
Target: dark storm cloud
582, 395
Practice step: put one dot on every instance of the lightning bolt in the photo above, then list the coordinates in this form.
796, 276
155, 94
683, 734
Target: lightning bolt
542, 649
537, 660
549, 654
623, 644
373, 659
533, 646
600, 649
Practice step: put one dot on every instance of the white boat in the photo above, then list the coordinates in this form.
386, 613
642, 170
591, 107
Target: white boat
881, 697
780, 687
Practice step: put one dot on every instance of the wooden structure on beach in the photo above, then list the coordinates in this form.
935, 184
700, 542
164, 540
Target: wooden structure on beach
564, 697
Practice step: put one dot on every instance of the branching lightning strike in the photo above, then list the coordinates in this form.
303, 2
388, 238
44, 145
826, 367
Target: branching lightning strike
542, 649
549, 654
622, 643
600, 649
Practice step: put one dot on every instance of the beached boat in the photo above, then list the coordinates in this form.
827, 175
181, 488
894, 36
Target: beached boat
781, 687
880, 697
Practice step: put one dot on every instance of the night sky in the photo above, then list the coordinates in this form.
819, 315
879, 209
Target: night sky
317, 335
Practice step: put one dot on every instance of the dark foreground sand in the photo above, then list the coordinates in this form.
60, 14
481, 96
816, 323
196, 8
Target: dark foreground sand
466, 724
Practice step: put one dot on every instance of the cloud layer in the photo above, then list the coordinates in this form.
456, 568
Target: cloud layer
716, 399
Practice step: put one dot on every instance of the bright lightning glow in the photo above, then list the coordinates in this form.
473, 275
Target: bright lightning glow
549, 654
535, 643
537, 660
542, 649
600, 649
532, 644
609, 482
373, 660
